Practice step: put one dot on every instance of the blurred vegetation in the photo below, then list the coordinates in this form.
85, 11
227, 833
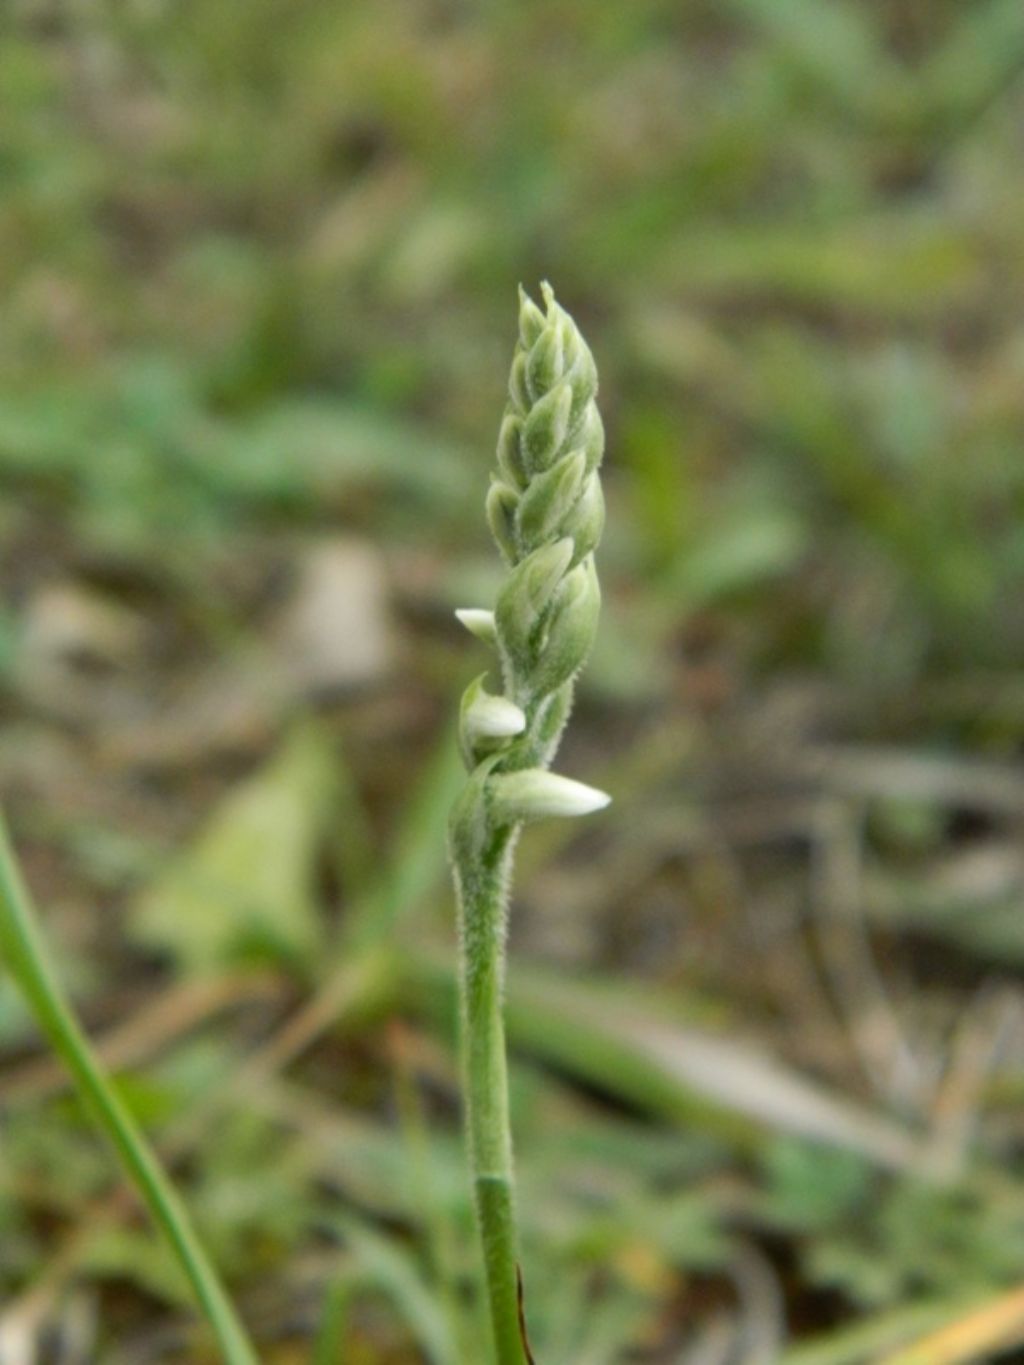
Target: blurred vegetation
258, 263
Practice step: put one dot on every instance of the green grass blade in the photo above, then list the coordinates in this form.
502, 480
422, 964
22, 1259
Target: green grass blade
22, 948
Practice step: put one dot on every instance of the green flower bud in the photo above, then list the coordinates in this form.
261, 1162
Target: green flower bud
585, 519
528, 592
573, 340
501, 506
570, 629
531, 320
545, 362
517, 389
554, 308
550, 497
510, 459
545, 428
583, 378
590, 437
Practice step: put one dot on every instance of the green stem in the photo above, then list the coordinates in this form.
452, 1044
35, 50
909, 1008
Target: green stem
481, 907
21, 945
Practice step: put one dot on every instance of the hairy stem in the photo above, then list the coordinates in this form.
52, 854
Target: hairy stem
481, 886
21, 946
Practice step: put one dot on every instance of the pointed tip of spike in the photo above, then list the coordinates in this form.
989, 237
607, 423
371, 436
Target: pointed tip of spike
531, 321
547, 293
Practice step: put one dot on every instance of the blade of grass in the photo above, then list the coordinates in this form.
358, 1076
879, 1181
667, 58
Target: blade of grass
22, 948
329, 1345
438, 1231
392, 1271
996, 1325
863, 1341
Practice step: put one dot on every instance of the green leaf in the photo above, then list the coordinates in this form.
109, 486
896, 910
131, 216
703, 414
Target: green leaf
246, 884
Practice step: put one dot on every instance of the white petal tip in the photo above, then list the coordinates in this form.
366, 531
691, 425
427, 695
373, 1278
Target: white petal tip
478, 622
585, 800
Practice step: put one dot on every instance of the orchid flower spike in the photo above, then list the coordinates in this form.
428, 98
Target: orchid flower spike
546, 513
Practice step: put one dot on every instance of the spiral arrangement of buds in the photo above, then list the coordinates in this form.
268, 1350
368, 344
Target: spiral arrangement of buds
545, 509
546, 512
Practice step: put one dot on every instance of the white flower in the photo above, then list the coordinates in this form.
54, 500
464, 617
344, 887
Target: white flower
534, 793
486, 722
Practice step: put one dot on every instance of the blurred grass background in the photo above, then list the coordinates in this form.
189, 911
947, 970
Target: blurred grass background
258, 264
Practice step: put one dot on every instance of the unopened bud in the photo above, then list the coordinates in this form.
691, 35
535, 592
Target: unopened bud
571, 629
550, 497
479, 623
510, 459
501, 506
545, 362
583, 378
528, 591
531, 320
590, 437
517, 389
545, 428
534, 793
585, 520
485, 721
